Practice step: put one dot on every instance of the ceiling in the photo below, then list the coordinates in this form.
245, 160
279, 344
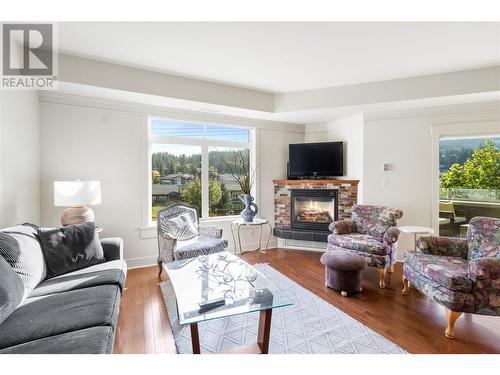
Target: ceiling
286, 57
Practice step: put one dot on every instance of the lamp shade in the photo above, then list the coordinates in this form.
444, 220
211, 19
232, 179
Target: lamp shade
77, 193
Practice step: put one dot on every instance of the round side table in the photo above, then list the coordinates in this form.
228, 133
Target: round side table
236, 226
416, 230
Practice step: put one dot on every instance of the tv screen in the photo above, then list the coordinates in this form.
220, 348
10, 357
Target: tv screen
316, 159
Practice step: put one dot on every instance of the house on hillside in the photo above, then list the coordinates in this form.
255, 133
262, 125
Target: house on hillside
165, 192
233, 188
178, 179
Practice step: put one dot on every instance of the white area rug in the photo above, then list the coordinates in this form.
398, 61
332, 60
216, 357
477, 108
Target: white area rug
310, 326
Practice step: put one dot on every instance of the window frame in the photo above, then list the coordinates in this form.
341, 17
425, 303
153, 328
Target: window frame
205, 145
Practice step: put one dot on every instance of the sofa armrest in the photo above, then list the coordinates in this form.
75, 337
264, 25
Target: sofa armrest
112, 248
484, 268
345, 226
444, 246
211, 231
391, 235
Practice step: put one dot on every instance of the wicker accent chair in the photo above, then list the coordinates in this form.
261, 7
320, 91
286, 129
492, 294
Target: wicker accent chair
180, 237
372, 233
462, 274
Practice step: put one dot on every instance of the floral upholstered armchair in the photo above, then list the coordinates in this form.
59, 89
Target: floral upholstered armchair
463, 274
180, 237
371, 232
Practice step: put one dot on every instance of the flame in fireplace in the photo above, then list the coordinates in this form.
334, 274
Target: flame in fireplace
313, 211
313, 206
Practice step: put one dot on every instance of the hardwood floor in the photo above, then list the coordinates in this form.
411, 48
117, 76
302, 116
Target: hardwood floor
414, 322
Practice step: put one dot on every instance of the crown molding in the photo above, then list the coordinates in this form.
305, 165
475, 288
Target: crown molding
451, 84
492, 107
57, 98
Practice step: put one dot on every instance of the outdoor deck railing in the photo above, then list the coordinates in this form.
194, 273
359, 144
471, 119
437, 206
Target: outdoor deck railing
476, 195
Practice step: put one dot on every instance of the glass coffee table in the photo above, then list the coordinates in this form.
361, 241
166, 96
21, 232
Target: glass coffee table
221, 285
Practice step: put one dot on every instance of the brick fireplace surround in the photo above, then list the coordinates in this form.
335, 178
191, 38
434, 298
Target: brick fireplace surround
347, 197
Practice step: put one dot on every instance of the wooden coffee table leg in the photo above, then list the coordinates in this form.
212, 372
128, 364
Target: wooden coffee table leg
195, 338
264, 330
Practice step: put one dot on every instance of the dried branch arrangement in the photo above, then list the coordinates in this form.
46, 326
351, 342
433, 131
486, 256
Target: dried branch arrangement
241, 172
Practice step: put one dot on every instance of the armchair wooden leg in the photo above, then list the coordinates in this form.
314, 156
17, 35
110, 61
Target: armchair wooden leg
406, 286
381, 273
160, 267
451, 317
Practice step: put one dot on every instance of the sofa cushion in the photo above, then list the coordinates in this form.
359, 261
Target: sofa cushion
483, 237
448, 271
359, 242
453, 299
94, 340
199, 245
373, 260
70, 248
113, 272
20, 247
55, 314
12, 289
445, 246
374, 220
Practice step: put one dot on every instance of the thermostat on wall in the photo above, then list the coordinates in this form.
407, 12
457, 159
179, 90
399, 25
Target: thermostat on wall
386, 167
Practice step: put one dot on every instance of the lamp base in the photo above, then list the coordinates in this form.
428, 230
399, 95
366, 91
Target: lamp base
77, 215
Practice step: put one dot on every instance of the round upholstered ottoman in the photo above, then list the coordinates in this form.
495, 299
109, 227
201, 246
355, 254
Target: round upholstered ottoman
343, 271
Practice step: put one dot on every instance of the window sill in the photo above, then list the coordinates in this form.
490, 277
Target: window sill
149, 231
219, 219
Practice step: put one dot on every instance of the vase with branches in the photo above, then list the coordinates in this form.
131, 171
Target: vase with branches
239, 168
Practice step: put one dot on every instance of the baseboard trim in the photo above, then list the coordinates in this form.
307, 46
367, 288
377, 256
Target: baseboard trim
250, 246
141, 262
317, 249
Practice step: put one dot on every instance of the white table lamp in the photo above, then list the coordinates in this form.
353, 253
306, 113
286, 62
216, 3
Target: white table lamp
76, 195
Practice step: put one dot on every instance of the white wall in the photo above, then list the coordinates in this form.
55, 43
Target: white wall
273, 155
19, 158
107, 143
350, 131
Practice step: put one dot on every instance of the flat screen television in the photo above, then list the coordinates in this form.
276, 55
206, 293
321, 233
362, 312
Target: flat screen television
311, 160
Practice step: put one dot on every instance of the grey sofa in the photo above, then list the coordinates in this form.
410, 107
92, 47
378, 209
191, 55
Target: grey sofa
74, 313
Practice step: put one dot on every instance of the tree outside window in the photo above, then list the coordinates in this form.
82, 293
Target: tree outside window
476, 175
181, 151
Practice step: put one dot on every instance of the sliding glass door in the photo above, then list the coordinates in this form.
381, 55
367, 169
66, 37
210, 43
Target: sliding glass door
469, 181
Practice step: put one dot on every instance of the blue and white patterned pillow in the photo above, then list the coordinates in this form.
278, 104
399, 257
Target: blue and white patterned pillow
180, 227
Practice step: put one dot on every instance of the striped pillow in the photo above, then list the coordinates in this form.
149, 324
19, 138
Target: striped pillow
20, 247
12, 290
180, 227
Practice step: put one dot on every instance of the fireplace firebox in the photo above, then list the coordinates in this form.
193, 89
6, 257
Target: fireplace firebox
313, 209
